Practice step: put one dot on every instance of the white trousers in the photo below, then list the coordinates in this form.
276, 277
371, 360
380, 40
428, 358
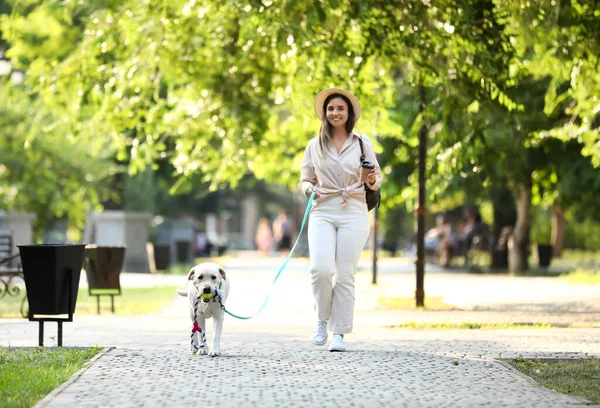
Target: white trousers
336, 237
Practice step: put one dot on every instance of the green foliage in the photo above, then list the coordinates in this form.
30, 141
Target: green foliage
44, 167
541, 226
205, 93
581, 233
140, 192
560, 41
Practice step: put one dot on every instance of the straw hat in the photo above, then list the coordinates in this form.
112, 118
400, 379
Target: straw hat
320, 100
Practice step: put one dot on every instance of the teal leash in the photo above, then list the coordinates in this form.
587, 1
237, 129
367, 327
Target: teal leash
306, 212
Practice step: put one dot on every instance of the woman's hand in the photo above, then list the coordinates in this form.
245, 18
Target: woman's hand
372, 177
309, 191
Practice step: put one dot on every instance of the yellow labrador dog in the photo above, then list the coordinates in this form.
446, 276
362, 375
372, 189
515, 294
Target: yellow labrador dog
207, 288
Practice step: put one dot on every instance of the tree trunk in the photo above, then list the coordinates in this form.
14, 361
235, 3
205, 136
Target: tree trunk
519, 240
558, 230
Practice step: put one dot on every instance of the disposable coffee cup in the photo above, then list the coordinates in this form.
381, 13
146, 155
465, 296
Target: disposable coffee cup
365, 168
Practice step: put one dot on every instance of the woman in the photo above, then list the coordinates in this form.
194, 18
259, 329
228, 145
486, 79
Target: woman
264, 236
339, 223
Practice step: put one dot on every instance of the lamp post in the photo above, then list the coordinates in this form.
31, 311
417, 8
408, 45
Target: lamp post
375, 222
421, 209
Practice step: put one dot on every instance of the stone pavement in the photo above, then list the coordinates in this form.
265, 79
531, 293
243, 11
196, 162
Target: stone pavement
270, 361
269, 366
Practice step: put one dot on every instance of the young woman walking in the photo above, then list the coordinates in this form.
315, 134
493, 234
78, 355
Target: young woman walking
339, 223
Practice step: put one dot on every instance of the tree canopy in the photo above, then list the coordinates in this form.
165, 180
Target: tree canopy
214, 91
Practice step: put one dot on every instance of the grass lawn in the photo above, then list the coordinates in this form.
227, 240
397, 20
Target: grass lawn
470, 325
181, 268
588, 277
131, 301
27, 375
578, 259
577, 377
398, 303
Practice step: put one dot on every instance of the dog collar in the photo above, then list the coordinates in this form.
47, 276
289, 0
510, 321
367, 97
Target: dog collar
216, 295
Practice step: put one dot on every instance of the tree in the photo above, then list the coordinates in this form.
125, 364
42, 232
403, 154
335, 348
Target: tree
562, 40
208, 92
44, 169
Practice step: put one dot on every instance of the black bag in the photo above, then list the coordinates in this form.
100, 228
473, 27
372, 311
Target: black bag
373, 196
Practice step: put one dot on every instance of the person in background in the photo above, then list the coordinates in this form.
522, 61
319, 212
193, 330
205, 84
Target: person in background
202, 247
460, 242
283, 230
264, 236
435, 236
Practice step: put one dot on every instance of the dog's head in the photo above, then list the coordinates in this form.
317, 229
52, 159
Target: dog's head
207, 278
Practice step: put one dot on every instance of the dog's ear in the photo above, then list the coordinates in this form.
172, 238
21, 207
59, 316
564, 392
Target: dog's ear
222, 272
191, 274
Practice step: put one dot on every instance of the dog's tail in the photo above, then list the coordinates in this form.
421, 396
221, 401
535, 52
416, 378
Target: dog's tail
182, 292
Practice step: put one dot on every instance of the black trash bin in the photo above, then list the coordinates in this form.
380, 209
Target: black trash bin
183, 251
103, 265
544, 252
51, 274
162, 257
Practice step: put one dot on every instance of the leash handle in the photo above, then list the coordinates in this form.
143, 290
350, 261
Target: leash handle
306, 212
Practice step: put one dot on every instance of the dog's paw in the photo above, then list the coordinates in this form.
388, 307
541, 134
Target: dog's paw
214, 353
202, 352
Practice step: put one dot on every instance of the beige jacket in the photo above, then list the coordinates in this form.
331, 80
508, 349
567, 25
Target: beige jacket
338, 174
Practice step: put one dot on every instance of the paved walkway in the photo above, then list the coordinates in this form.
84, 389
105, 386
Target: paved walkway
270, 361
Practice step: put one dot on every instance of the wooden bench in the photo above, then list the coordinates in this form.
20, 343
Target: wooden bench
469, 249
11, 275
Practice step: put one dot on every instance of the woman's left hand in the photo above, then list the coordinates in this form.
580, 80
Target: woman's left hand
372, 176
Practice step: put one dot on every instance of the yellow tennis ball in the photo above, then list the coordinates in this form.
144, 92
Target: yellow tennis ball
207, 296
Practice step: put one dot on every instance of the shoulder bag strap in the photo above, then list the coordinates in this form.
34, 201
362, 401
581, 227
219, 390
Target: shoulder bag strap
362, 152
362, 155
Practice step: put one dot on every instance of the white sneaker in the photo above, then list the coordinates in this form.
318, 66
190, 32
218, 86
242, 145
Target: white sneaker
320, 334
337, 344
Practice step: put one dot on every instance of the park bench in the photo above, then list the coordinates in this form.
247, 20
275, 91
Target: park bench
471, 249
11, 276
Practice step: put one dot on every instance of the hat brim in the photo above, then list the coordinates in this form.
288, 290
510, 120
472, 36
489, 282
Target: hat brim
323, 95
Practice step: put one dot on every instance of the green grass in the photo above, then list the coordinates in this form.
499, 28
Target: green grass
131, 301
588, 277
535, 272
569, 261
180, 269
397, 303
578, 259
471, 325
576, 377
27, 375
